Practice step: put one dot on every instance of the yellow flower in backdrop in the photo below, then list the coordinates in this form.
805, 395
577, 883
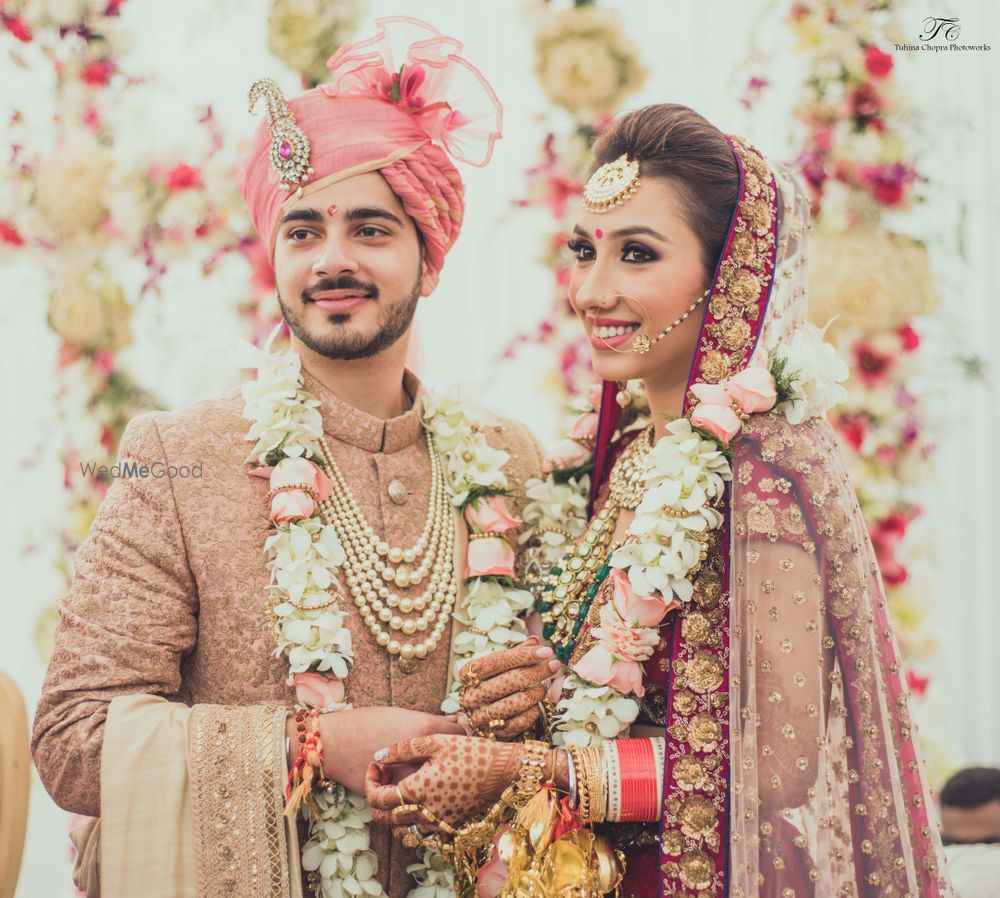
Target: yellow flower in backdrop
584, 62
304, 34
873, 280
89, 310
71, 185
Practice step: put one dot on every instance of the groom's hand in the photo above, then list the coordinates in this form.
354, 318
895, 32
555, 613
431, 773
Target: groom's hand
350, 738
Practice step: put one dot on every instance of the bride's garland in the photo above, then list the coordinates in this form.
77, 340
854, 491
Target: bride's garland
305, 556
685, 479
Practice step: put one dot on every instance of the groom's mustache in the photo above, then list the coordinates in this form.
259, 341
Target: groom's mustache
341, 283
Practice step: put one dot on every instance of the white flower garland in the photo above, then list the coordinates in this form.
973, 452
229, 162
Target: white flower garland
687, 475
304, 557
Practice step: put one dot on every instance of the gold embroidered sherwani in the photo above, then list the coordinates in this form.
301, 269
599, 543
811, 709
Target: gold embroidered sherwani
170, 599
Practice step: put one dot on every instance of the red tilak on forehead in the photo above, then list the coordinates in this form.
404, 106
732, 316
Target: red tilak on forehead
331, 211
598, 233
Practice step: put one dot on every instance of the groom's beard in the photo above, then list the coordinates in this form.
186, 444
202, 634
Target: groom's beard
345, 342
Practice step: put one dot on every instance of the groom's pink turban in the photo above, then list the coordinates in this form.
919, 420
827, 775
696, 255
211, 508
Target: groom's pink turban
401, 114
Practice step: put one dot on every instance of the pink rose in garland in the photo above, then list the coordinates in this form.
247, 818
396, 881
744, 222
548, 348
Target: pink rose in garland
585, 427
316, 690
489, 556
492, 876
566, 454
626, 637
722, 407
297, 487
489, 514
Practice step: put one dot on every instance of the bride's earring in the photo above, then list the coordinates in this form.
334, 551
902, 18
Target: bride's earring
623, 397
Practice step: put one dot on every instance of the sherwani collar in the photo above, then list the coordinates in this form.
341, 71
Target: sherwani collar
345, 423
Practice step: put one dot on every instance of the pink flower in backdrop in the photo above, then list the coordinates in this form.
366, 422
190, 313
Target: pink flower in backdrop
887, 455
853, 426
887, 183
489, 556
262, 273
9, 234
871, 363
864, 101
916, 683
91, 118
751, 93
104, 361
490, 514
909, 337
98, 73
17, 27
183, 177
877, 63
886, 535
68, 353
316, 690
575, 364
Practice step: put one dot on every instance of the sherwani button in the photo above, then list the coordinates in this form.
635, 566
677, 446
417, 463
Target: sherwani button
397, 492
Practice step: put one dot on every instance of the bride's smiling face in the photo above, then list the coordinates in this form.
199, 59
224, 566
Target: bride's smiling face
638, 269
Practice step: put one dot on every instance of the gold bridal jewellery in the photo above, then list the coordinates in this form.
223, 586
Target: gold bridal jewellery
641, 344
289, 144
611, 185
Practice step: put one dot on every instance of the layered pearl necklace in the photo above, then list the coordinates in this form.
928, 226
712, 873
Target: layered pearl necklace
374, 567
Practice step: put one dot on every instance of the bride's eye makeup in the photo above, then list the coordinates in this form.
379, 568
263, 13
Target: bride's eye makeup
583, 251
638, 253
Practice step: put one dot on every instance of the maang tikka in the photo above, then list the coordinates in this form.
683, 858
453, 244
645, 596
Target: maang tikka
289, 144
611, 185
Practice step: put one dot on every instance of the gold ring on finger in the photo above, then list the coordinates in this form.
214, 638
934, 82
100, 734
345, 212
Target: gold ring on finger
412, 838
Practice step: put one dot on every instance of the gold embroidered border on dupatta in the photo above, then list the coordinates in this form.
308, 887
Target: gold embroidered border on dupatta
694, 831
236, 768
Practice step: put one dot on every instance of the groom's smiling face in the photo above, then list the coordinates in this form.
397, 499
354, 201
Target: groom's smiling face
350, 268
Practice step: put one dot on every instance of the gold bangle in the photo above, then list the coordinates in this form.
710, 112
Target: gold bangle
583, 793
529, 779
599, 792
434, 820
402, 809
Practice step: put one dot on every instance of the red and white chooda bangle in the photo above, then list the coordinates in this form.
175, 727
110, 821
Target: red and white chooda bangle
634, 774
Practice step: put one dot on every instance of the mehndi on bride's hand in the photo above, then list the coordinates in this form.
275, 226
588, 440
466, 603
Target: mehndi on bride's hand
501, 692
458, 777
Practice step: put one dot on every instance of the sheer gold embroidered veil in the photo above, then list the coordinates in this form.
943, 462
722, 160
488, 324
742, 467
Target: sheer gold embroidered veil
827, 796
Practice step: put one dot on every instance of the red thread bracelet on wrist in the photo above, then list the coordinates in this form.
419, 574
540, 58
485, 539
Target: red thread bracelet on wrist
307, 768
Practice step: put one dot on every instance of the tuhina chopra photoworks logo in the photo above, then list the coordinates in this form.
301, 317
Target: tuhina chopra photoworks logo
940, 34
